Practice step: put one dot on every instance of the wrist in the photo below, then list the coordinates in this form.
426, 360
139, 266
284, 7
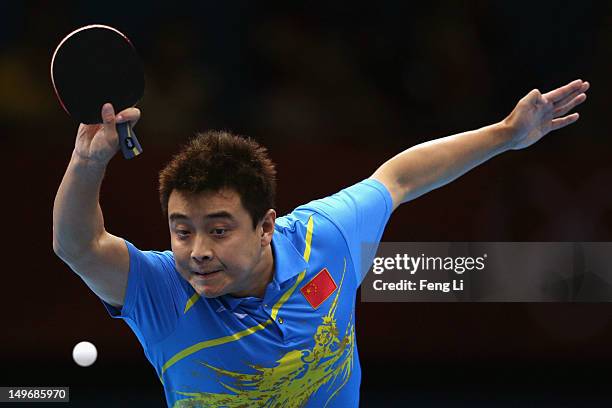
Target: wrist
506, 134
87, 162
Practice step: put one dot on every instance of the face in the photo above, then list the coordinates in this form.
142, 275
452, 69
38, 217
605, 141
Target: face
215, 246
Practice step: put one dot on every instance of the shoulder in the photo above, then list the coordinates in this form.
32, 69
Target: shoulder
366, 202
304, 221
311, 227
355, 198
140, 259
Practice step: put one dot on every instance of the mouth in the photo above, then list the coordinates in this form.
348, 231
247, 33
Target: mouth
206, 275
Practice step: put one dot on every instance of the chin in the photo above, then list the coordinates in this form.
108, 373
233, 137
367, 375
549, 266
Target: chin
208, 293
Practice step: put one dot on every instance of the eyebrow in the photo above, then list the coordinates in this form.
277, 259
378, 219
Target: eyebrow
215, 215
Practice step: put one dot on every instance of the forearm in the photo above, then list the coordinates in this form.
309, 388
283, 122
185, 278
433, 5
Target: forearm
432, 164
77, 216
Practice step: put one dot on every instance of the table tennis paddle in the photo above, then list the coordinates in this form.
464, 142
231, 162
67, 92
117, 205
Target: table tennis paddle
93, 65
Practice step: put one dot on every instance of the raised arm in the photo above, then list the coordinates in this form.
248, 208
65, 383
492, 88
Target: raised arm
432, 164
79, 237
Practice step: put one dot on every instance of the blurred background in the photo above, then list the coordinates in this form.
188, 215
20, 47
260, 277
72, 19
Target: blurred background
333, 89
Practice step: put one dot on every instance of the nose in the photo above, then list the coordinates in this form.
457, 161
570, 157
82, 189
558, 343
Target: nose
201, 250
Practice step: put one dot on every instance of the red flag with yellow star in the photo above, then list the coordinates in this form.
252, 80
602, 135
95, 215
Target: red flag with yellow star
319, 288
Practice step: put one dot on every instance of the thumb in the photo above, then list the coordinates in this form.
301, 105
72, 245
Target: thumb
108, 118
536, 98
533, 96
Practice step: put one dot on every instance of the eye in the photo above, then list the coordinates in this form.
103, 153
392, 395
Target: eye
182, 234
219, 232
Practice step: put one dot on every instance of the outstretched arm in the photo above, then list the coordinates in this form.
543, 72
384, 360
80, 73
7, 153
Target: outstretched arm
432, 164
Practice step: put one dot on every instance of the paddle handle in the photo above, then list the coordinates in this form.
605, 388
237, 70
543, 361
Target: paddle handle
130, 147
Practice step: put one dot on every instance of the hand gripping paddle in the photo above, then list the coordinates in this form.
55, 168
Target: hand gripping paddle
93, 65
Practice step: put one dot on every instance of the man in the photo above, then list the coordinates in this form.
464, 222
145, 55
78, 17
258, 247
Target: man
248, 309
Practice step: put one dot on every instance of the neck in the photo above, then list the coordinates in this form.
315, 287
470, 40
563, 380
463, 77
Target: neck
262, 275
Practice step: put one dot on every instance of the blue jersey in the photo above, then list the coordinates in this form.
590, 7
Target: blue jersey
294, 347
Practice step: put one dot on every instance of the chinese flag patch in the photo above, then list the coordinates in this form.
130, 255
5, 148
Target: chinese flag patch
319, 288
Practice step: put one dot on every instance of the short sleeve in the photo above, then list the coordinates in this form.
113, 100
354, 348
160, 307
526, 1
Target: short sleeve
361, 213
152, 296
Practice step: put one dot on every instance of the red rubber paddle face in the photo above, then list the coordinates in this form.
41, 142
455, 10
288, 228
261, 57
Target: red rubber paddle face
94, 65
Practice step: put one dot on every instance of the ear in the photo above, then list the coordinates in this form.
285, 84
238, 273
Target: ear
266, 227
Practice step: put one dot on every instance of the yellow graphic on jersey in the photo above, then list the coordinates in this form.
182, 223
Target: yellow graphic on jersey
295, 377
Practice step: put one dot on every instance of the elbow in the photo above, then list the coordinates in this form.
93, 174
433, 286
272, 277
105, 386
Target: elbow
60, 250
69, 251
57, 249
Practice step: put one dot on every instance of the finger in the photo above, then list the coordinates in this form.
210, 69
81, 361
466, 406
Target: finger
561, 92
87, 131
585, 86
570, 105
563, 122
108, 118
128, 115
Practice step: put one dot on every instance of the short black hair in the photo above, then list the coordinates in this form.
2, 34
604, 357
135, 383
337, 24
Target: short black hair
215, 160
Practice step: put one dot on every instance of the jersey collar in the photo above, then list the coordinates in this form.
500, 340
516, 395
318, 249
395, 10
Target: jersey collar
288, 262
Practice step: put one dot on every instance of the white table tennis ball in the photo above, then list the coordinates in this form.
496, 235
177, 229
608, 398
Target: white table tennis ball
84, 354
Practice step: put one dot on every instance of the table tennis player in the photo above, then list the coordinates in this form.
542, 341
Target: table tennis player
248, 308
